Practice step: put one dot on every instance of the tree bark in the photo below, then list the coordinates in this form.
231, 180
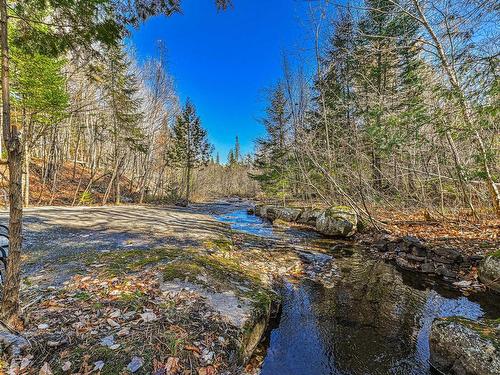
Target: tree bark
10, 301
188, 183
26, 175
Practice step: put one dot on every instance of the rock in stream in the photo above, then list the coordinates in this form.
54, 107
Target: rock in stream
489, 271
463, 347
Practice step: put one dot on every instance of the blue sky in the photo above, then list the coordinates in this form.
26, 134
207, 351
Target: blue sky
224, 61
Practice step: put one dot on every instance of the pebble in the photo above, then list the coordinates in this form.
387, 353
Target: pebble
108, 341
135, 364
463, 284
43, 326
98, 366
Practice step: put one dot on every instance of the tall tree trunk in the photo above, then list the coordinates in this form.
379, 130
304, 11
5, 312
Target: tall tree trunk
188, 183
117, 187
10, 301
26, 175
465, 107
376, 170
77, 147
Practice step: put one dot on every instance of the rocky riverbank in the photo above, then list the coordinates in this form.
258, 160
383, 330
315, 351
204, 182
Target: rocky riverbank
458, 346
407, 252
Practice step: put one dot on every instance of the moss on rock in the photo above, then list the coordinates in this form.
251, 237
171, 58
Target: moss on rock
463, 346
339, 221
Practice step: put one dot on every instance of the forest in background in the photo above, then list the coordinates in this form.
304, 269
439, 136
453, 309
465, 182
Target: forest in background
95, 128
401, 111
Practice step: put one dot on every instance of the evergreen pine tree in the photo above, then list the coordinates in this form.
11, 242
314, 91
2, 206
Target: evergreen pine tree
120, 88
190, 148
237, 150
272, 154
231, 158
376, 71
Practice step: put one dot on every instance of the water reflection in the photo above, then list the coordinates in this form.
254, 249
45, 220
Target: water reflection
374, 320
241, 221
370, 322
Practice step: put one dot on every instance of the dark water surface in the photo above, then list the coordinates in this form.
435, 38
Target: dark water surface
374, 320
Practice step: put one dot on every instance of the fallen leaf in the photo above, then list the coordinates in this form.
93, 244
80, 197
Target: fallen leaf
112, 323
209, 370
172, 365
135, 364
45, 370
25, 362
148, 317
66, 366
192, 349
108, 341
98, 366
123, 332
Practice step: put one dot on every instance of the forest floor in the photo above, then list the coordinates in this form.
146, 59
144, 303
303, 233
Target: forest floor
71, 181
164, 290
138, 289
457, 230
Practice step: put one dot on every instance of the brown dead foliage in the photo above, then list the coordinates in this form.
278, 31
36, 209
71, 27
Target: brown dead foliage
98, 324
458, 230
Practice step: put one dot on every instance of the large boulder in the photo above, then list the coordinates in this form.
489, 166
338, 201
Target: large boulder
274, 212
337, 221
289, 214
261, 210
460, 346
489, 271
271, 213
309, 217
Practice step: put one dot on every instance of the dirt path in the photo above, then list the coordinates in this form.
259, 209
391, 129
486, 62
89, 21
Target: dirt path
163, 286
54, 235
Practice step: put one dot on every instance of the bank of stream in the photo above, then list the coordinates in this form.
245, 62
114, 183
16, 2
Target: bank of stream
371, 318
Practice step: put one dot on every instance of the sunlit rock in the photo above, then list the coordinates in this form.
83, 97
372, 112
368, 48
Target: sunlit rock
337, 221
309, 217
489, 271
463, 347
289, 214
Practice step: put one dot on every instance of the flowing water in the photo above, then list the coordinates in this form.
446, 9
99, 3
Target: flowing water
374, 320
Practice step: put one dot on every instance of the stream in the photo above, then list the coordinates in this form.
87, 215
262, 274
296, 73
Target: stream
375, 319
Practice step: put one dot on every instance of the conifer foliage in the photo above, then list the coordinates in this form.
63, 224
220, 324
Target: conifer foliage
397, 112
272, 154
190, 146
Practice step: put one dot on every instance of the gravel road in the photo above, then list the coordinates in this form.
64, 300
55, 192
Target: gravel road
53, 234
